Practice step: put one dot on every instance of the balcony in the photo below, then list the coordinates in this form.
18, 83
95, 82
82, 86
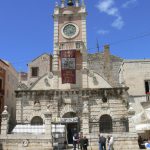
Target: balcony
74, 45
2, 92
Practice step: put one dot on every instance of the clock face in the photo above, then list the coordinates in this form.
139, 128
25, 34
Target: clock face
69, 30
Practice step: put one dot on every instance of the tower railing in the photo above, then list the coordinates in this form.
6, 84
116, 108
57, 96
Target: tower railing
71, 45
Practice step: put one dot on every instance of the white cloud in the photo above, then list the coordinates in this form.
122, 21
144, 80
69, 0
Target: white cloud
108, 7
129, 3
118, 23
103, 32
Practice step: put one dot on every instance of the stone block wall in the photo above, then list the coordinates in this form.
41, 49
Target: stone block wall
122, 141
96, 63
25, 142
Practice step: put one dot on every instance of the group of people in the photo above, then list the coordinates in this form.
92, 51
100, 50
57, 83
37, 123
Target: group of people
80, 141
143, 143
103, 141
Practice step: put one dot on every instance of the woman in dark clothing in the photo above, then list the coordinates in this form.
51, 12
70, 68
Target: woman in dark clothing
86, 143
81, 141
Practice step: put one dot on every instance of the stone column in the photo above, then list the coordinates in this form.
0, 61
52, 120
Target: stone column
48, 125
5, 120
85, 116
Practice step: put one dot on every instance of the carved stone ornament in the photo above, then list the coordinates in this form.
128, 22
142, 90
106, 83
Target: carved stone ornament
91, 73
37, 106
47, 82
25, 143
50, 75
5, 110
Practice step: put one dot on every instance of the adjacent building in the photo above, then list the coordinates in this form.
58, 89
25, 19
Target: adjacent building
8, 85
135, 74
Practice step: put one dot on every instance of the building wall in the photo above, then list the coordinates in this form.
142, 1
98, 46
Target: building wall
133, 74
96, 63
10, 85
44, 63
2, 86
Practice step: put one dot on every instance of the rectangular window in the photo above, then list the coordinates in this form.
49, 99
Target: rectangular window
34, 71
61, 46
147, 87
1, 84
78, 46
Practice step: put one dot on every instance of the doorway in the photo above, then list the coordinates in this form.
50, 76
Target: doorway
72, 128
71, 121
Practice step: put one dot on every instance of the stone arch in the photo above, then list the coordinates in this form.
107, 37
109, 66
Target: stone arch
66, 110
36, 120
39, 114
105, 112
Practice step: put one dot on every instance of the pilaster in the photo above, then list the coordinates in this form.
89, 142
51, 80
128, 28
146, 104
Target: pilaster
48, 125
56, 53
85, 116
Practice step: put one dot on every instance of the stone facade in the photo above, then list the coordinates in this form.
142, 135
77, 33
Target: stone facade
42, 65
95, 103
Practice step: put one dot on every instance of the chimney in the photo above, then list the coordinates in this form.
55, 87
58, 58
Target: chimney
107, 64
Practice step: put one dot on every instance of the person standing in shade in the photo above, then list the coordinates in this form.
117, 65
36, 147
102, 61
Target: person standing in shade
86, 143
103, 142
81, 141
75, 140
99, 141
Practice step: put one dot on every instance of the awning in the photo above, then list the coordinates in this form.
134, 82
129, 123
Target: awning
37, 129
142, 127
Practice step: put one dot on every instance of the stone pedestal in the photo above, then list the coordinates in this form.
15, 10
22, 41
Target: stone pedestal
131, 113
5, 120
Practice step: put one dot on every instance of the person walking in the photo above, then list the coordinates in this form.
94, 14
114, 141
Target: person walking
111, 143
107, 141
86, 143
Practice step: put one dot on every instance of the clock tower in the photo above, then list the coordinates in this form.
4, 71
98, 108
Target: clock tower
70, 44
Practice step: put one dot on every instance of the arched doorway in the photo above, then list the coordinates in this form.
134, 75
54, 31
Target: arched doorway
105, 124
72, 125
37, 121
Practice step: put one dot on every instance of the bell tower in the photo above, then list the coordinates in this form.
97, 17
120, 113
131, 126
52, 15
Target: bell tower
70, 37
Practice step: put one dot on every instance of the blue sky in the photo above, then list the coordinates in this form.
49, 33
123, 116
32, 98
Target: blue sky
26, 28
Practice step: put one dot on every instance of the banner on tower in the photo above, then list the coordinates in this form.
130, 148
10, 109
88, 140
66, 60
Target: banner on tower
68, 66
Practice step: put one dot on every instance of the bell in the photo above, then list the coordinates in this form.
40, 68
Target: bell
70, 3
